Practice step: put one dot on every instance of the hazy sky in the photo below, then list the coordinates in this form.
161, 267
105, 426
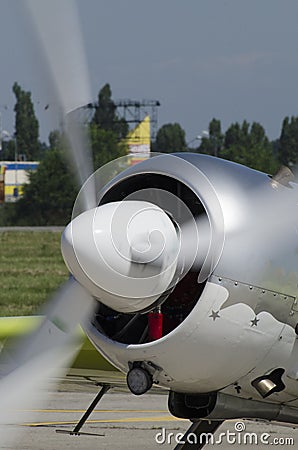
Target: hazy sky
229, 59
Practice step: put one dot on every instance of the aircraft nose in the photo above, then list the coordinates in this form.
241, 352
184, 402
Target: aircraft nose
123, 253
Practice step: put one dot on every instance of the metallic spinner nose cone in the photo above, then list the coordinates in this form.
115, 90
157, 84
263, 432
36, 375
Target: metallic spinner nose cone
123, 253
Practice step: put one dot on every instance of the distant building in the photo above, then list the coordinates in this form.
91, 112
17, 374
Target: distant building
13, 175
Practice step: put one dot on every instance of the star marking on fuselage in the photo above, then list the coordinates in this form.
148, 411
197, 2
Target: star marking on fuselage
254, 322
214, 315
238, 388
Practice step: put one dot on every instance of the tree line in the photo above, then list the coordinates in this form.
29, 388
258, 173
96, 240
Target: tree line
48, 198
243, 143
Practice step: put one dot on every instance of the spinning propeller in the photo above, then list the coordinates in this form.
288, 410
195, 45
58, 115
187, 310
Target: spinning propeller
132, 245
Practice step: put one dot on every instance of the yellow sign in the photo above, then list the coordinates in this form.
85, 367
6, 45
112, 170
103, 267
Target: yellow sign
138, 139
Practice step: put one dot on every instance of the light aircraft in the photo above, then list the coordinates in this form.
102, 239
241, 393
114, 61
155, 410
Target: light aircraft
191, 260
184, 275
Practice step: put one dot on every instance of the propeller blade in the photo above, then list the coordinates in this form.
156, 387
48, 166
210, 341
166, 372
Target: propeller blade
58, 30
27, 367
266, 216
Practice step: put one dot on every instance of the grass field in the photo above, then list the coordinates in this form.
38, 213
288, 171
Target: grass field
31, 269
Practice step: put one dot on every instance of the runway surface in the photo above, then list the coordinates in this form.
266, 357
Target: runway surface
123, 421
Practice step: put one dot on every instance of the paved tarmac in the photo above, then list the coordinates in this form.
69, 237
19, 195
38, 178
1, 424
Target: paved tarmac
54, 229
123, 421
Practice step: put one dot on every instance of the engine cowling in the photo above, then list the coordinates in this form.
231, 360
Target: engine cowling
228, 307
